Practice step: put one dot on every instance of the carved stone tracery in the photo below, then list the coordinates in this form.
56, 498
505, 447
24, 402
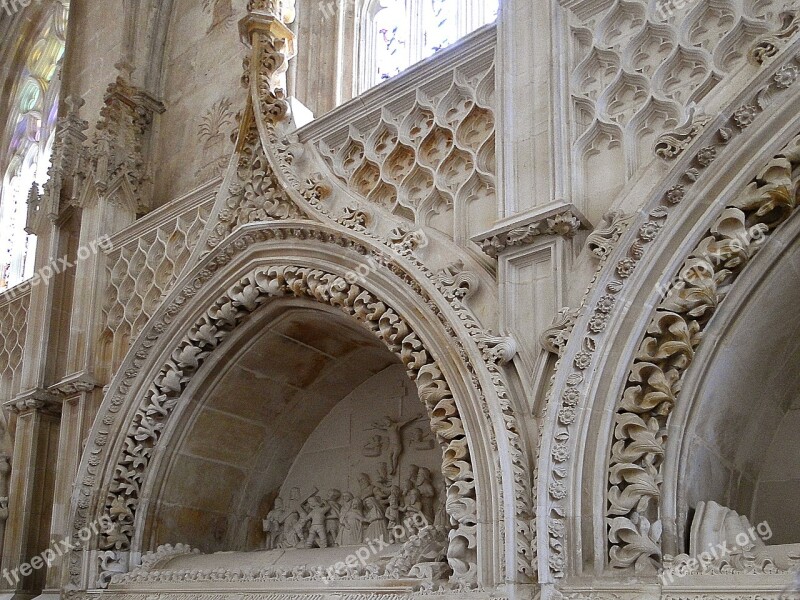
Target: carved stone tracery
669, 348
269, 152
216, 325
637, 69
13, 327
419, 162
576, 372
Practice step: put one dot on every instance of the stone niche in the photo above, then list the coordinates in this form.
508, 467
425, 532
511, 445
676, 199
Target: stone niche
304, 403
743, 434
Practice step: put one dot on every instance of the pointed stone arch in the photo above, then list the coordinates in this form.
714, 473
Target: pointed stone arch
456, 373
601, 437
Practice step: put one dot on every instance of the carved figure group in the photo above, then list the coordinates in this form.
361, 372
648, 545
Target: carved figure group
380, 510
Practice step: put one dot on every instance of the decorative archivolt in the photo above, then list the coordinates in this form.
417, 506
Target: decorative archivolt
270, 181
638, 66
312, 193
635, 535
211, 330
209, 334
668, 350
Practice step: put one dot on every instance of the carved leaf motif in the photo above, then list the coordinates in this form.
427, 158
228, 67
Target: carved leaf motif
246, 296
637, 541
669, 348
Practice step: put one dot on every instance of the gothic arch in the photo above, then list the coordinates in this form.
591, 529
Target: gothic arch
466, 401
597, 453
717, 394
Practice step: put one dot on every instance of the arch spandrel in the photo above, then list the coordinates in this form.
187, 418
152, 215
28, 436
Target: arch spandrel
155, 359
735, 403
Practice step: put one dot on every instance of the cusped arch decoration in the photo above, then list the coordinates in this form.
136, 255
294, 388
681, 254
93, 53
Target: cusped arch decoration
131, 424
607, 426
668, 351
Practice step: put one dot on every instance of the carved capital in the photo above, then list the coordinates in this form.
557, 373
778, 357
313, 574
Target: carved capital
33, 400
76, 383
558, 218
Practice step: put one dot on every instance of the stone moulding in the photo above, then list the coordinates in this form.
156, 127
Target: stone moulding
154, 568
292, 164
577, 368
557, 218
210, 331
219, 321
278, 157
668, 350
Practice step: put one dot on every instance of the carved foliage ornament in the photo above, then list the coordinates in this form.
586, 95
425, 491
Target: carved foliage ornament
210, 332
283, 152
565, 224
256, 194
603, 239
605, 299
770, 44
308, 190
672, 144
669, 349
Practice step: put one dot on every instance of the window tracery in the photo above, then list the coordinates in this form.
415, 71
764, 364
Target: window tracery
32, 115
397, 34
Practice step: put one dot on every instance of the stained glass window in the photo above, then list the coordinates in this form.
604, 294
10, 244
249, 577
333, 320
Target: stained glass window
33, 111
399, 33
391, 38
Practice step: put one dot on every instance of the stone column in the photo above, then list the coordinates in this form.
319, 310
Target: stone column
107, 205
31, 491
77, 412
531, 149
